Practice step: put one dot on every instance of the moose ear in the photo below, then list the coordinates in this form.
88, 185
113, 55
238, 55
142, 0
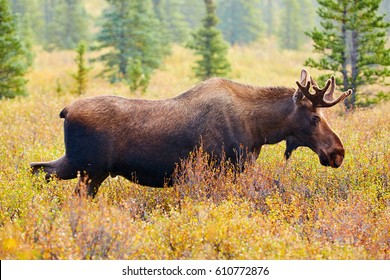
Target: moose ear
298, 96
305, 78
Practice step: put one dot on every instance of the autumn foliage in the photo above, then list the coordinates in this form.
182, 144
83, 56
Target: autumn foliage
273, 210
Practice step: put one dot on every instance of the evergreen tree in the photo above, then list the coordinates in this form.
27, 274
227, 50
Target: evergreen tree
13, 61
50, 25
136, 79
25, 33
115, 36
131, 32
19, 6
74, 25
268, 7
240, 20
352, 42
170, 15
384, 8
65, 24
208, 43
308, 15
26, 17
291, 22
193, 12
296, 15
81, 75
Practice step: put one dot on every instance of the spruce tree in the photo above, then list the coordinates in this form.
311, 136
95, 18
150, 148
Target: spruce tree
13, 60
136, 78
65, 24
240, 20
25, 33
207, 42
131, 32
268, 8
171, 17
74, 24
81, 76
384, 8
25, 17
194, 11
352, 43
296, 16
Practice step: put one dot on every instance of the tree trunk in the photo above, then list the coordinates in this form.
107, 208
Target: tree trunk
354, 65
348, 102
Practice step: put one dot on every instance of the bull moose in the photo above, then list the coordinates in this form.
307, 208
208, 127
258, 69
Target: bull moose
144, 140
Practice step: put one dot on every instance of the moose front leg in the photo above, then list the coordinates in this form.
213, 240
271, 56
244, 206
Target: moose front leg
88, 185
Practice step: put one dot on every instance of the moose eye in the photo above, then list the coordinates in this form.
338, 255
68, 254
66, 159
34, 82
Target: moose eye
315, 120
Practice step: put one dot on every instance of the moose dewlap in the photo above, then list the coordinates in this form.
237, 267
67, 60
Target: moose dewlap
144, 140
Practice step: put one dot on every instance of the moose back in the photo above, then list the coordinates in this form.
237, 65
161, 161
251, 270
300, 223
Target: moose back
144, 140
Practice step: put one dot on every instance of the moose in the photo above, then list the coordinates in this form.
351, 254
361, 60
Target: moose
144, 140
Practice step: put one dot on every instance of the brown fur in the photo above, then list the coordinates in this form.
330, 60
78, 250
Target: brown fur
143, 140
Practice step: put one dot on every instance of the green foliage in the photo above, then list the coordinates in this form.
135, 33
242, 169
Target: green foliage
352, 42
81, 75
193, 11
25, 33
137, 78
240, 21
31, 20
268, 9
59, 24
131, 32
14, 60
365, 101
296, 15
170, 15
65, 24
291, 21
24, 23
207, 42
384, 8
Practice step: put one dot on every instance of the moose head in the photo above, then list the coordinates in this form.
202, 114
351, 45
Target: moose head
310, 127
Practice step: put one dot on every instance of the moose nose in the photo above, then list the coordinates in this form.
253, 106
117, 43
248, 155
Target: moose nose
336, 158
333, 159
336, 161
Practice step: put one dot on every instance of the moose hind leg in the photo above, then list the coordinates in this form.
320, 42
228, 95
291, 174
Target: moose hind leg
61, 168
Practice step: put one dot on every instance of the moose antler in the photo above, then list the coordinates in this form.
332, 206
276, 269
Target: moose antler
322, 97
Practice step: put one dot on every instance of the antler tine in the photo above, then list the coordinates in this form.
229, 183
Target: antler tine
328, 100
344, 95
329, 94
324, 98
314, 83
305, 88
318, 96
320, 92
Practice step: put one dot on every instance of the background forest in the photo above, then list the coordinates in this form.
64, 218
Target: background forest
134, 36
61, 24
64, 50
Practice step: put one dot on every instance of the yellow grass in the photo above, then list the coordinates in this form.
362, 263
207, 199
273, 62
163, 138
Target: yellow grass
312, 212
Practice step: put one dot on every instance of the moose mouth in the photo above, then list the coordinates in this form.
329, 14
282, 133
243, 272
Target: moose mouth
333, 160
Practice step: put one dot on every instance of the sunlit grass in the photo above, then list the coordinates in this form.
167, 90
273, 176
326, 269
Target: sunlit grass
274, 210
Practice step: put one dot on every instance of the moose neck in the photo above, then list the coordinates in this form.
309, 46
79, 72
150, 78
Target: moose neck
271, 114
